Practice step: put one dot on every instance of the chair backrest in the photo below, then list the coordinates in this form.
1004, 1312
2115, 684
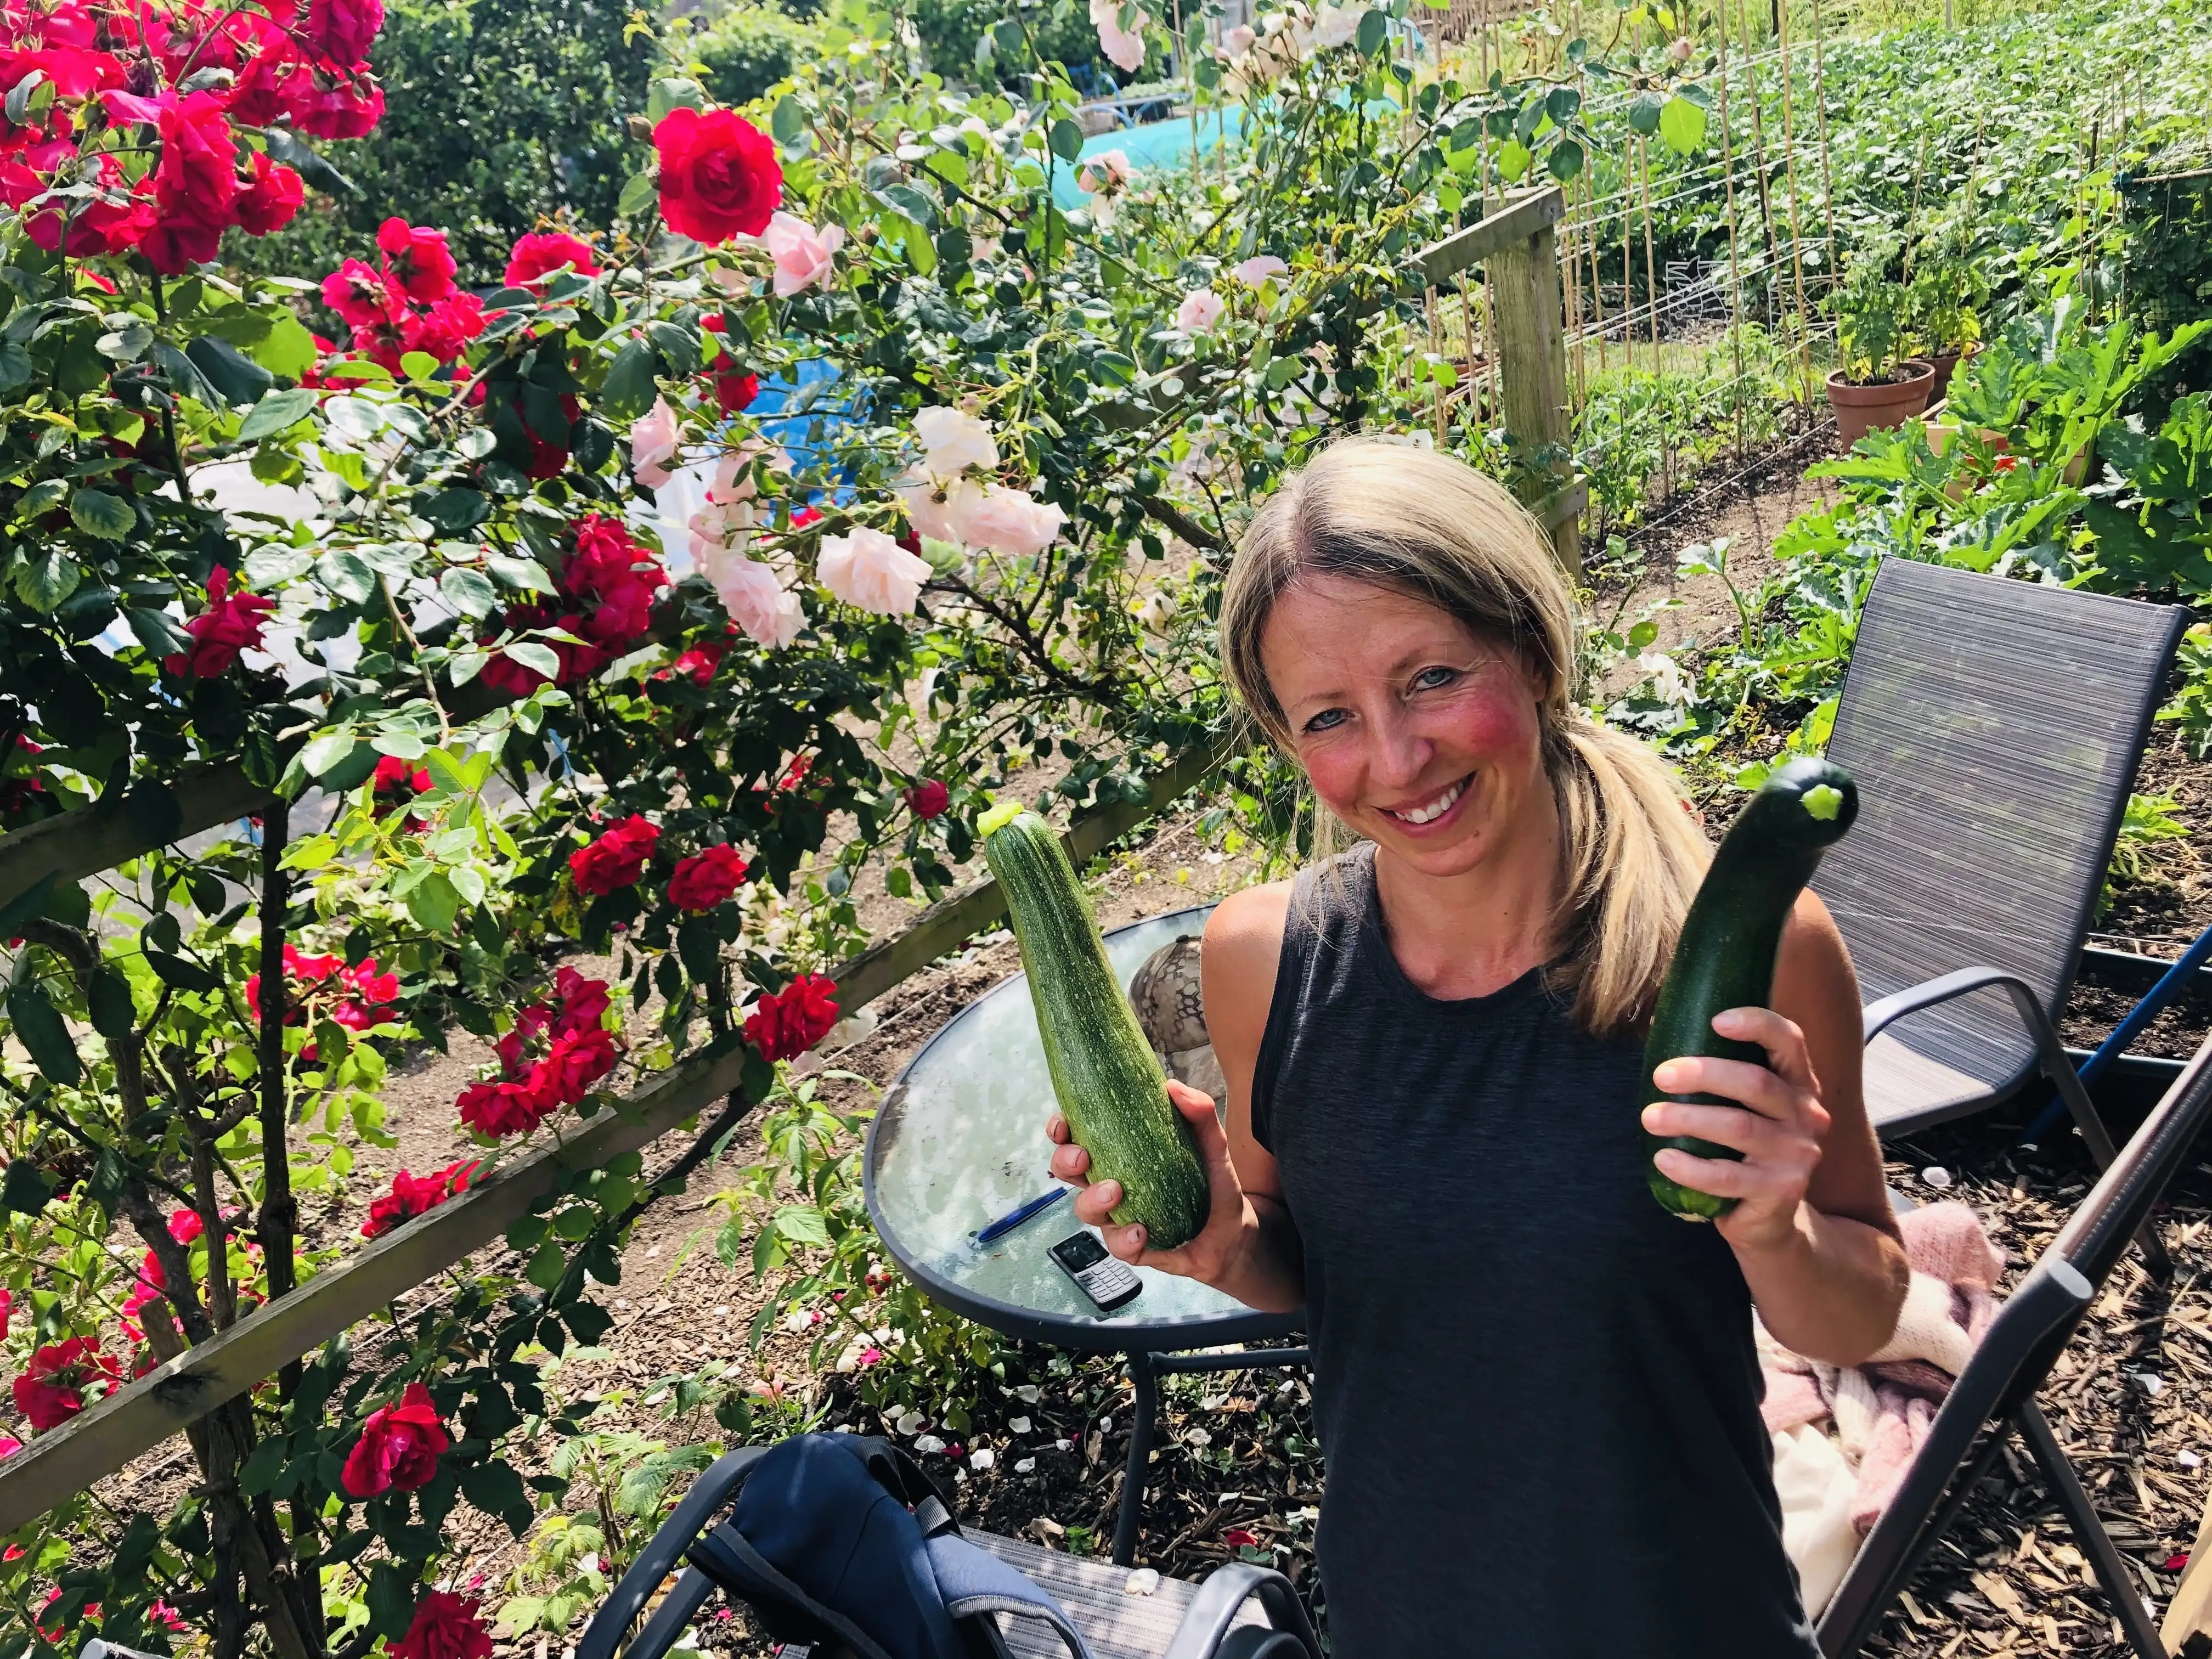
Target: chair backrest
2016, 1355
1993, 726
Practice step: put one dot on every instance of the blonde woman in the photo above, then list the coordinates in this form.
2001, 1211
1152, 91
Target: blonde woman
1537, 1391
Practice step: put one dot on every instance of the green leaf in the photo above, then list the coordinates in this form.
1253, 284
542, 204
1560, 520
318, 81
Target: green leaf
1066, 139
1565, 161
287, 147
1374, 30
1682, 125
275, 565
469, 592
237, 378
342, 571
154, 813
672, 92
496, 1489
630, 388
276, 412
31, 902
538, 658
181, 972
524, 575
639, 192
326, 751
44, 1035
546, 1264
802, 1224
185, 377
288, 348
262, 1469
391, 1597
1644, 113
27, 1190
1561, 105
1513, 160
434, 902
97, 513
44, 580
358, 418
113, 1013
788, 121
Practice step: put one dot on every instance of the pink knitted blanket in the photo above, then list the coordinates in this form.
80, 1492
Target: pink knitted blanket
1881, 1410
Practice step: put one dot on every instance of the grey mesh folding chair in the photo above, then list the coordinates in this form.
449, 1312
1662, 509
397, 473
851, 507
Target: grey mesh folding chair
1993, 726
1995, 1396
1240, 1611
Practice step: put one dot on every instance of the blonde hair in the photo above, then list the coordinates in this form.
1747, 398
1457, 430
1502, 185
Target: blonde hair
1431, 526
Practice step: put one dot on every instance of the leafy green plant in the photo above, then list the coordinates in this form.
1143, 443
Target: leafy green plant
2153, 520
1948, 288
2148, 829
1873, 315
2192, 708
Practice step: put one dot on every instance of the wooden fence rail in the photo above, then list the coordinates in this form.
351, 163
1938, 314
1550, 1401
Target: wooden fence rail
180, 1391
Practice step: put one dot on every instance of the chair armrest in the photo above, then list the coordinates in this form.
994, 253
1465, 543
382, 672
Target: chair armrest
709, 1495
1205, 1623
1928, 992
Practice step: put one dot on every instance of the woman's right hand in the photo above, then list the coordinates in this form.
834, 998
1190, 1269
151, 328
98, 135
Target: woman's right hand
1229, 1221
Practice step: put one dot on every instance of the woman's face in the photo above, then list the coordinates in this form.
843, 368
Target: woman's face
1416, 733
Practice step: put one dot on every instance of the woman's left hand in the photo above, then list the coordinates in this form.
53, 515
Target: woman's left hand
1777, 1126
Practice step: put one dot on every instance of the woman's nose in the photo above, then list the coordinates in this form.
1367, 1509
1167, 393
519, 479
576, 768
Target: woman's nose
1401, 752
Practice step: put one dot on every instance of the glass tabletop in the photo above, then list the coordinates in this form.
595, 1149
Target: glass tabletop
960, 1141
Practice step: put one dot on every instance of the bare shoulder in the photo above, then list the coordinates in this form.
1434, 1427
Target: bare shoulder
1243, 944
1813, 949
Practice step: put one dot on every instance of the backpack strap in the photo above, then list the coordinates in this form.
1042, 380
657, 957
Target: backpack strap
976, 1584
725, 1557
898, 1472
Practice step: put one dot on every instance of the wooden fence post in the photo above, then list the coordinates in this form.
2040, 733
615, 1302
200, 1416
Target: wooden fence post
1521, 249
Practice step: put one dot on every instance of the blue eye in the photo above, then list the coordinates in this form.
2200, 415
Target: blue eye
1326, 719
1431, 679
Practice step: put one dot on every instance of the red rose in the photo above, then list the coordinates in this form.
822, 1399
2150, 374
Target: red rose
416, 260
231, 623
543, 252
699, 662
928, 798
269, 203
412, 1195
113, 222
52, 1390
578, 1060
502, 1108
584, 1002
326, 105
718, 175
372, 999
398, 1447
445, 329
343, 30
736, 391
195, 184
794, 1019
357, 295
445, 1627
705, 880
616, 858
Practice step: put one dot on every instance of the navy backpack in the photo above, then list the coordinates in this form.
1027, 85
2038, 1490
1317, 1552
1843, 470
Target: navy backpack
838, 1541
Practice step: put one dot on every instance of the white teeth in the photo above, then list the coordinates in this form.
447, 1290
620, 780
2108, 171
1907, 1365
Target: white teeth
1437, 808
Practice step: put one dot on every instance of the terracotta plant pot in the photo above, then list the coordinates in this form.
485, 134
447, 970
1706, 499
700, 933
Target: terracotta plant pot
1946, 364
1861, 408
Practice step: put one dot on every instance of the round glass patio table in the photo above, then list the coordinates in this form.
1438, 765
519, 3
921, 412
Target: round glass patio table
960, 1141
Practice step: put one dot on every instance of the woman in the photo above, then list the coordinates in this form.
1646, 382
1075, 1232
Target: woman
1537, 1391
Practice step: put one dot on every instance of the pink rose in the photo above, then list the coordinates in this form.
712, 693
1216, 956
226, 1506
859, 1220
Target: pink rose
1124, 47
1010, 521
758, 602
653, 437
937, 513
802, 253
869, 570
1260, 268
1200, 310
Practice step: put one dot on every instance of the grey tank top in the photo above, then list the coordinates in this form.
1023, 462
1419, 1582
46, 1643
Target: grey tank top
1537, 1392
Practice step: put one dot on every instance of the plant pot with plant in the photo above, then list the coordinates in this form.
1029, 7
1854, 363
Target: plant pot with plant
1874, 384
1945, 291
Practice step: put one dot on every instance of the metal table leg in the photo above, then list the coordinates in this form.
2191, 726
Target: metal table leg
1146, 1378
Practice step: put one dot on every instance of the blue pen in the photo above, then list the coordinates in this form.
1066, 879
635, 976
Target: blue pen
1013, 1218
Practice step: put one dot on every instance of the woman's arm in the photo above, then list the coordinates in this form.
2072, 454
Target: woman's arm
1248, 1249
1812, 1230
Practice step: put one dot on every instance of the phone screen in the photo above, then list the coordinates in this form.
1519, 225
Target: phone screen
1078, 1251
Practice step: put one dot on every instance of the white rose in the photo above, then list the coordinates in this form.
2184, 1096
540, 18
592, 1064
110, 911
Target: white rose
1200, 310
768, 612
870, 570
1010, 521
954, 438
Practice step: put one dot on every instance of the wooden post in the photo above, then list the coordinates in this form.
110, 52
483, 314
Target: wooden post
1532, 350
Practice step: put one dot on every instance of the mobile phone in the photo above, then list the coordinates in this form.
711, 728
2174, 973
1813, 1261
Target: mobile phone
1109, 1283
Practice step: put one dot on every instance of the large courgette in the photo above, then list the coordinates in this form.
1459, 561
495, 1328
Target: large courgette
1110, 1086
1725, 958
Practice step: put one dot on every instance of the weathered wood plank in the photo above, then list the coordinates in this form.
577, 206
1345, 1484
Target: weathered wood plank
1521, 217
82, 843
1532, 355
172, 1395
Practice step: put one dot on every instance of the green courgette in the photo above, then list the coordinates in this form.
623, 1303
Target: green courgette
1725, 957
1110, 1085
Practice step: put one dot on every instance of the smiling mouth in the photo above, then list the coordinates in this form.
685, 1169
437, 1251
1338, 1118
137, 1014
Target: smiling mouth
1430, 810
